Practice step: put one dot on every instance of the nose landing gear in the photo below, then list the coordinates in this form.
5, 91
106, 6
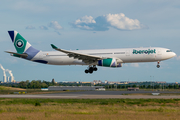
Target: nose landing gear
158, 66
91, 69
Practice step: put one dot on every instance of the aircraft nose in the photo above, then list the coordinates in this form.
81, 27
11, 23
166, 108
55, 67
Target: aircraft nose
173, 54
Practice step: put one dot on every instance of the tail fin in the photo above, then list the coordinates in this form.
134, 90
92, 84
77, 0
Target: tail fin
22, 45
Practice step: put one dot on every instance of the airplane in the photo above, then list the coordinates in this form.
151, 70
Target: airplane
92, 58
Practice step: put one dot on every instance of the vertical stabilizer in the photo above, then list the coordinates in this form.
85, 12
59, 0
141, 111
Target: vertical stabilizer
19, 42
22, 45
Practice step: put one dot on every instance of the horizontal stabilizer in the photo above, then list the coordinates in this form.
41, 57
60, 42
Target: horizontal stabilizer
23, 55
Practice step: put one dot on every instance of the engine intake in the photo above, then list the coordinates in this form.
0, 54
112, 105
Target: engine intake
110, 62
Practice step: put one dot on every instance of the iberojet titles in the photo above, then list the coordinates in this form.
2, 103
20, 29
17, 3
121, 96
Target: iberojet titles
144, 51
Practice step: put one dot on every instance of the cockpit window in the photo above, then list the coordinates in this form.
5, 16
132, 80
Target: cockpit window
168, 51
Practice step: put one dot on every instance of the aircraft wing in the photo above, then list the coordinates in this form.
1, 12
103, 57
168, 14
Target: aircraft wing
24, 55
80, 56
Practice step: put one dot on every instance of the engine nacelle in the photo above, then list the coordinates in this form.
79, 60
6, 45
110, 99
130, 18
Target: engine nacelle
110, 62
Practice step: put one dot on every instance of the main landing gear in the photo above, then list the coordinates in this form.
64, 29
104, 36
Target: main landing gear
158, 66
91, 69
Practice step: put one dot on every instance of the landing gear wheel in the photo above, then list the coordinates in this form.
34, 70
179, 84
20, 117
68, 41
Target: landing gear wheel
158, 66
90, 71
86, 71
95, 69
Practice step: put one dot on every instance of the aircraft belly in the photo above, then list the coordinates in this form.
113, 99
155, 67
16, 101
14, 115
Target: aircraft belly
148, 57
158, 57
65, 60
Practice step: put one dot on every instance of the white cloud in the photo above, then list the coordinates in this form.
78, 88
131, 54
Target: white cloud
42, 27
102, 23
55, 25
134, 64
84, 27
86, 19
120, 21
84, 22
30, 27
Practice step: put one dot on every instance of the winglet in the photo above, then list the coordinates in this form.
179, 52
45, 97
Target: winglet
53, 46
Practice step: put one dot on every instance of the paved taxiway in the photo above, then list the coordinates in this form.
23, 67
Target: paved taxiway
96, 95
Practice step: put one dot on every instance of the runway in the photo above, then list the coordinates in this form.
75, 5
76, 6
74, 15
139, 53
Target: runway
97, 95
112, 92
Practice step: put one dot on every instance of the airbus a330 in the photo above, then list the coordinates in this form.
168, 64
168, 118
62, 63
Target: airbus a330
92, 58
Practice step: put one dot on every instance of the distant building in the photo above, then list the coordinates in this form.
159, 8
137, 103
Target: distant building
97, 82
111, 82
44, 89
65, 82
160, 82
133, 89
86, 82
53, 81
12, 79
8, 79
4, 79
132, 82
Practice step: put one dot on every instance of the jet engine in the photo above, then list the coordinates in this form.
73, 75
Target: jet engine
110, 62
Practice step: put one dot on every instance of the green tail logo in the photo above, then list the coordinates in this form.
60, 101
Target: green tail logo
20, 43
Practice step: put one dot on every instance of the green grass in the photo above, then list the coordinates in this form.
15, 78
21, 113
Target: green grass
7, 101
4, 88
89, 109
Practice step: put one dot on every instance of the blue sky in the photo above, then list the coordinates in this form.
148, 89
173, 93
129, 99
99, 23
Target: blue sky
91, 24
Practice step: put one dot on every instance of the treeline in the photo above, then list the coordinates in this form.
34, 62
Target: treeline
38, 84
34, 84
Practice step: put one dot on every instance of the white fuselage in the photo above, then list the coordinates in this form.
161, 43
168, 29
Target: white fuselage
126, 55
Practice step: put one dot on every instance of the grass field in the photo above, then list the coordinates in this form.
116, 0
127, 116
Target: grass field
90, 109
10, 88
